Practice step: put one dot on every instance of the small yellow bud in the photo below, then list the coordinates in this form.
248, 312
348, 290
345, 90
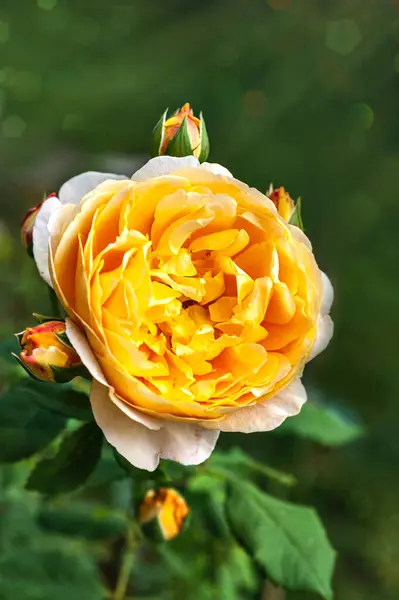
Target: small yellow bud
166, 507
283, 202
46, 354
182, 134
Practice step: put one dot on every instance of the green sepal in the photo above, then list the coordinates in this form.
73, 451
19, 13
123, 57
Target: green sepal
157, 135
180, 144
296, 217
64, 375
204, 143
19, 337
63, 338
46, 319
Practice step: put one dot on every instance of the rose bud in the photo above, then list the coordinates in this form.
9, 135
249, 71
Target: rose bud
163, 513
46, 353
182, 134
283, 202
27, 226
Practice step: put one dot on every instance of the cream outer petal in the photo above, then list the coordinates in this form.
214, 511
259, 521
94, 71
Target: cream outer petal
164, 165
86, 355
325, 330
266, 415
41, 236
73, 190
143, 448
216, 169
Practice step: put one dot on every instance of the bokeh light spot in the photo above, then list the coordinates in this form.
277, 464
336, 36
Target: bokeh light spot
47, 4
13, 126
26, 86
343, 36
280, 4
362, 116
254, 103
72, 121
86, 32
4, 32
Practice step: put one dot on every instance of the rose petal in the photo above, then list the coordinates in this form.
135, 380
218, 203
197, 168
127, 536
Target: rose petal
73, 190
266, 415
186, 444
216, 169
325, 330
328, 295
86, 355
40, 236
300, 236
163, 165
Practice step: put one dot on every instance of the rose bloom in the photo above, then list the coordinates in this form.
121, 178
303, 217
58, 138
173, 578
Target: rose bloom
191, 301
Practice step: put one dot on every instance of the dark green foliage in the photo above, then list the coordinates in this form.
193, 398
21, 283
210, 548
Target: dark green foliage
25, 427
74, 462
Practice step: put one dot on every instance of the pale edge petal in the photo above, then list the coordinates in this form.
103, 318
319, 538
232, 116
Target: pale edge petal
41, 236
216, 169
328, 295
266, 415
86, 355
164, 165
300, 236
325, 330
143, 448
73, 190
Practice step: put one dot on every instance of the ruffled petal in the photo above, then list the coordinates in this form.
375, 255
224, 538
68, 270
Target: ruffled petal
143, 448
325, 330
41, 236
216, 169
73, 190
164, 165
86, 355
267, 415
328, 295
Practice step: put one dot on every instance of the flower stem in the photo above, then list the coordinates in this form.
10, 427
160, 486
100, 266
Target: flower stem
126, 567
270, 592
54, 304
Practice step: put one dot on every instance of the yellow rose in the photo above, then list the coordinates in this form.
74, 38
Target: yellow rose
193, 304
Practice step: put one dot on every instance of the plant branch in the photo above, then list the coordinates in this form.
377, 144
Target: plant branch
126, 567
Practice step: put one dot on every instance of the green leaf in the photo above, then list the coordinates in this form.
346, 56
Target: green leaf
296, 217
82, 520
180, 144
322, 424
69, 469
236, 462
25, 427
46, 574
287, 541
63, 400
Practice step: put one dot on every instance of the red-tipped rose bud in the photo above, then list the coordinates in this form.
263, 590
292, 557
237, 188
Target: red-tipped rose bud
27, 226
182, 134
46, 353
163, 513
283, 202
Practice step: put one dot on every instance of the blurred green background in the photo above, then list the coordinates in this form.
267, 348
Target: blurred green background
301, 93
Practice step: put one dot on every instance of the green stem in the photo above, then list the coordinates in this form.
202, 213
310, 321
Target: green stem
126, 567
56, 310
